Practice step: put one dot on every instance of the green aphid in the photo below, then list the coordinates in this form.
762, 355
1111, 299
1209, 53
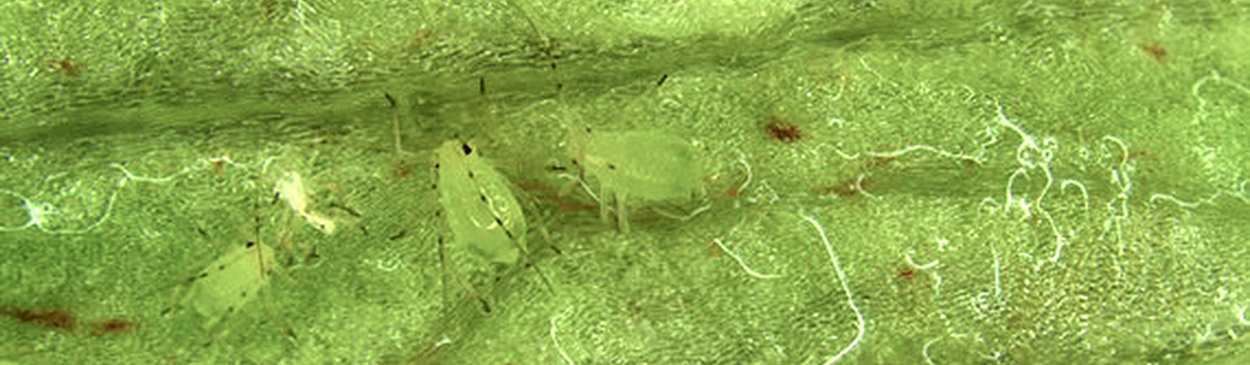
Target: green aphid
478, 204
230, 282
647, 165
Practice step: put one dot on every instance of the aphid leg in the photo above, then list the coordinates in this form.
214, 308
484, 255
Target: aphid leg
530, 263
449, 269
577, 180
604, 207
541, 225
395, 123
622, 214
548, 241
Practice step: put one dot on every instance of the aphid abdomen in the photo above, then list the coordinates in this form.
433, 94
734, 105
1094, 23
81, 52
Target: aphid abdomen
231, 281
647, 165
479, 207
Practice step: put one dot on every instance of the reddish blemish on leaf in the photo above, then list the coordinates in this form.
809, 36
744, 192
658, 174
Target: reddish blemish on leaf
65, 67
879, 161
780, 130
52, 318
115, 325
402, 170
1154, 49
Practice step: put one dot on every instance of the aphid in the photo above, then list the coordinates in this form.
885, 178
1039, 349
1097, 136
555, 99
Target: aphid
230, 282
478, 203
480, 211
291, 188
648, 165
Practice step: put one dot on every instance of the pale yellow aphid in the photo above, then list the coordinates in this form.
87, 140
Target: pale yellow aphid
647, 165
230, 282
478, 204
291, 188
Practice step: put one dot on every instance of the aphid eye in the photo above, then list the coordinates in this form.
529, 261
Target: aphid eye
436, 165
250, 244
467, 150
611, 167
470, 174
483, 197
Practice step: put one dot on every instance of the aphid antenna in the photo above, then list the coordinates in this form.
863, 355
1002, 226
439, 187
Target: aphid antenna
265, 271
547, 44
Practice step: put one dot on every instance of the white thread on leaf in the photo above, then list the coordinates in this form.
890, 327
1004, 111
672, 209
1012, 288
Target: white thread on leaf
554, 324
850, 298
743, 264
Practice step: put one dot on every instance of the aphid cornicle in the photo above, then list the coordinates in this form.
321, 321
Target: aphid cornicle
480, 209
